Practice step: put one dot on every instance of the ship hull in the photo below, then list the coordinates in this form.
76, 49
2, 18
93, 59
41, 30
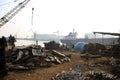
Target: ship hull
105, 41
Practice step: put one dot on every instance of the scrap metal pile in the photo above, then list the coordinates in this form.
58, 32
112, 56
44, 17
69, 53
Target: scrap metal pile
100, 49
94, 48
52, 45
115, 66
34, 57
115, 50
90, 75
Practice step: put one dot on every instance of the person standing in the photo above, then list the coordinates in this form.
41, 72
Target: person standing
3, 45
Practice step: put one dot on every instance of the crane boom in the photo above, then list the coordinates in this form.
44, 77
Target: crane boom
12, 13
108, 33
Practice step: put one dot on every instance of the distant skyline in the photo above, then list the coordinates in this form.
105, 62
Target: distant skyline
85, 16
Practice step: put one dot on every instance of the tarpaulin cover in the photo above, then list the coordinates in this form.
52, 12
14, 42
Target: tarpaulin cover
80, 46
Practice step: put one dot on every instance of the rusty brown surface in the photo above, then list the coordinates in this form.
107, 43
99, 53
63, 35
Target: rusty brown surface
48, 73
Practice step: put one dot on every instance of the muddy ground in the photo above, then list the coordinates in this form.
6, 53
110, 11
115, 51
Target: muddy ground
48, 73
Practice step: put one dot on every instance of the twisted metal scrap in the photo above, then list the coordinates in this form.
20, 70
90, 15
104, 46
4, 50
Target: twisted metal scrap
90, 75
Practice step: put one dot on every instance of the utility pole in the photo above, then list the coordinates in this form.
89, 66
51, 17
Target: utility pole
34, 33
32, 16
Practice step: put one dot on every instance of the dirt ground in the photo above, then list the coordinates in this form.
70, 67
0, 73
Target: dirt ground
48, 73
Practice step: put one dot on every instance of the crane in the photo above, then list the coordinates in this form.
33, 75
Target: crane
108, 33
12, 12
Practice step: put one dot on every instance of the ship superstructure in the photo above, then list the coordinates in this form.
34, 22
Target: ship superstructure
71, 38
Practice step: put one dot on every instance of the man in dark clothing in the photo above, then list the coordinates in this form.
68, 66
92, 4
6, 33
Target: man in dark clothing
3, 45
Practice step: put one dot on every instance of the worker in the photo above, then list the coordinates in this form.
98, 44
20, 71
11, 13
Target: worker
11, 41
3, 45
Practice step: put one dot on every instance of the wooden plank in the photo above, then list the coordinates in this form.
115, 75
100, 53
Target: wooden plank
54, 52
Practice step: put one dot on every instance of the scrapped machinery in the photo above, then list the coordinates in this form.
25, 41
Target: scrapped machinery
52, 45
115, 66
114, 52
34, 56
94, 48
28, 56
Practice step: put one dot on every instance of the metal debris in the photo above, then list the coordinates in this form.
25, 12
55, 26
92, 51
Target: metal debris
94, 48
34, 57
90, 75
52, 45
115, 66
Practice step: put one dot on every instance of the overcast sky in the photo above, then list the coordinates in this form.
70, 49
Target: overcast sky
85, 16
